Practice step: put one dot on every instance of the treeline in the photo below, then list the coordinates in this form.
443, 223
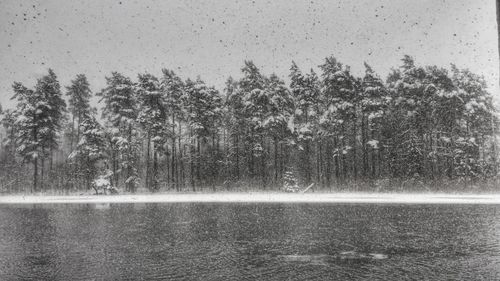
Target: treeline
421, 128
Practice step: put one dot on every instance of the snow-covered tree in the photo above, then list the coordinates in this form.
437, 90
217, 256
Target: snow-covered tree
53, 117
173, 89
408, 86
275, 112
120, 111
203, 105
90, 148
79, 94
338, 94
475, 126
40, 115
373, 103
152, 115
30, 111
8, 121
236, 126
251, 85
306, 93
423, 124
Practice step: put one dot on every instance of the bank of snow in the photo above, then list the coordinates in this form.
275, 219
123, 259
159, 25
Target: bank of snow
384, 198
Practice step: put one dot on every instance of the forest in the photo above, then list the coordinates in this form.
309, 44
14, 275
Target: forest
423, 128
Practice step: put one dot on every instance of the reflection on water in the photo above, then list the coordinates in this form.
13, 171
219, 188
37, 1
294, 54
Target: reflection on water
249, 242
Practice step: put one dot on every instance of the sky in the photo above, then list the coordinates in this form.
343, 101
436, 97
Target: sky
213, 38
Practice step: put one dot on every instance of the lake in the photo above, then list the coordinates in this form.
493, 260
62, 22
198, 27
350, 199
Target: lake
249, 241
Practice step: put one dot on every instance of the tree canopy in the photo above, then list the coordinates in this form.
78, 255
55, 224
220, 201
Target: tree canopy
423, 127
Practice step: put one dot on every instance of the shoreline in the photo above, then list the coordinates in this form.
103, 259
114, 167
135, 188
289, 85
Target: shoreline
256, 197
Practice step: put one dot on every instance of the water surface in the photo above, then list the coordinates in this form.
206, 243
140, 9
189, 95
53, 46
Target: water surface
221, 241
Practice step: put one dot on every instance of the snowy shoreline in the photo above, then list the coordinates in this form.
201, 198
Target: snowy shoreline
365, 198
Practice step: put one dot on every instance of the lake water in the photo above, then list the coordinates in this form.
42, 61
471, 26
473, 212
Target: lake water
224, 241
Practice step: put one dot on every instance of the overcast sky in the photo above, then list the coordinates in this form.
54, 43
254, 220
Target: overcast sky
213, 38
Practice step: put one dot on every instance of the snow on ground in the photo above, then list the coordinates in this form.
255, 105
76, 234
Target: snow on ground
380, 198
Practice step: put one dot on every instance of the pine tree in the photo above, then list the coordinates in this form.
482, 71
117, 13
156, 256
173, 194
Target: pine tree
250, 87
338, 93
439, 86
8, 122
41, 113
30, 111
306, 94
151, 117
474, 117
120, 111
424, 125
53, 117
173, 89
91, 147
9, 169
374, 99
204, 113
408, 87
79, 95
236, 126
278, 109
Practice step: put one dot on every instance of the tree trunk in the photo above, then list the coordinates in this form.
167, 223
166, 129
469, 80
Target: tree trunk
276, 161
72, 132
198, 162
344, 156
329, 162
337, 157
42, 172
181, 160
374, 155
214, 162
155, 168
364, 140
282, 160
114, 164
51, 159
88, 174
307, 157
451, 168
237, 153
252, 160
318, 162
35, 174
263, 163
130, 184
172, 165
191, 160
307, 161
78, 128
354, 149
148, 150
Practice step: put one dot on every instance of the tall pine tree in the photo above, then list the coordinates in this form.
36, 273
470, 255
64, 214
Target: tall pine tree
120, 111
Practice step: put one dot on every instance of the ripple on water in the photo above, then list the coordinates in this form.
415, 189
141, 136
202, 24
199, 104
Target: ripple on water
325, 259
249, 242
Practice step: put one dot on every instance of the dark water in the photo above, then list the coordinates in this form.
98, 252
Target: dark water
249, 242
